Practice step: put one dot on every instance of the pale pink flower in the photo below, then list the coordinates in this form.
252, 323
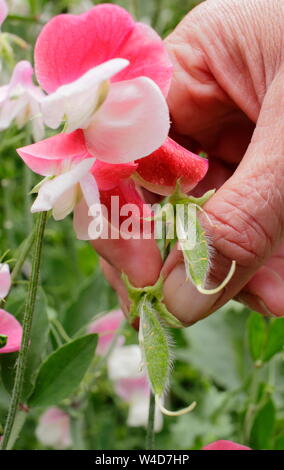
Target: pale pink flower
106, 327
131, 384
20, 101
3, 11
107, 77
53, 429
225, 445
10, 331
5, 280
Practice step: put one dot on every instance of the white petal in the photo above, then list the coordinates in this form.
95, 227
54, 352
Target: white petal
125, 362
36, 117
65, 203
59, 189
77, 101
82, 220
10, 109
5, 280
132, 122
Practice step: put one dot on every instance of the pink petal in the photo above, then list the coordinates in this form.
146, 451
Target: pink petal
225, 445
106, 327
108, 175
22, 74
148, 57
11, 328
70, 45
53, 429
128, 388
132, 122
160, 171
50, 156
82, 220
3, 11
5, 280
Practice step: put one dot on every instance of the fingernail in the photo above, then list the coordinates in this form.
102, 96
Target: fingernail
183, 299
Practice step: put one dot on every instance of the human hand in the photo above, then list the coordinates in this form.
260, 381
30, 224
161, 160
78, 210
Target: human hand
227, 95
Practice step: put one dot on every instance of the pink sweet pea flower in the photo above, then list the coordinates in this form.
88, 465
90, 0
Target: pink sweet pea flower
136, 392
131, 384
225, 445
5, 280
10, 333
20, 101
106, 76
3, 11
53, 429
106, 327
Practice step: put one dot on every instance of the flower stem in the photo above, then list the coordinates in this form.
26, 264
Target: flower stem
25, 19
150, 437
24, 251
27, 325
250, 413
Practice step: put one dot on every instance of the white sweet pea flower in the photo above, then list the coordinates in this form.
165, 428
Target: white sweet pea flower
20, 101
131, 384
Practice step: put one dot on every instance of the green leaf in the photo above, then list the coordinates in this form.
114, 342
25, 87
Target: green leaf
155, 346
96, 297
263, 425
216, 347
275, 342
257, 335
279, 442
63, 371
196, 258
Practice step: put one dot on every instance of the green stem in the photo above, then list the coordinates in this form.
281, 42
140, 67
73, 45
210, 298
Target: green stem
249, 416
157, 12
24, 251
27, 325
28, 178
134, 8
25, 19
20, 420
77, 433
150, 437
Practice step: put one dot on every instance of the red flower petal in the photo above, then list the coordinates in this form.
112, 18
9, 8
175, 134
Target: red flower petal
160, 171
108, 176
225, 445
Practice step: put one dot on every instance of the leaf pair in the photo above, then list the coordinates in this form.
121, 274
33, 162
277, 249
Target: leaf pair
265, 339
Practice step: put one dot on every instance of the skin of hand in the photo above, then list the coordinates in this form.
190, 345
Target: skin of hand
227, 95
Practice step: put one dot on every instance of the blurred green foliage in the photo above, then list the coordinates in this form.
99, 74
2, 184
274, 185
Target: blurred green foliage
231, 363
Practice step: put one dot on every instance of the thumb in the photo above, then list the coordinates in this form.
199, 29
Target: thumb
246, 215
